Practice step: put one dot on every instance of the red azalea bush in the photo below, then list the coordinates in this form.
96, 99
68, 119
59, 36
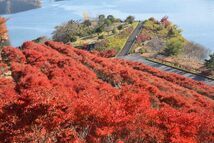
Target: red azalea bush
61, 94
106, 53
143, 37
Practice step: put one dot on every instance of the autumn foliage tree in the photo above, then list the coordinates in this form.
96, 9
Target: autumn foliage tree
4, 40
3, 30
165, 21
61, 94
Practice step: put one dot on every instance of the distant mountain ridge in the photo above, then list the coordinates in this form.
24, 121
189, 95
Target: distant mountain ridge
14, 6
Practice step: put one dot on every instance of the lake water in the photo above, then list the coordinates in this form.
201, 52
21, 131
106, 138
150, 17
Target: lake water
195, 17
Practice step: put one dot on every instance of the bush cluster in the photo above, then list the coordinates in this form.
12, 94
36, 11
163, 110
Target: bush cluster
209, 63
61, 94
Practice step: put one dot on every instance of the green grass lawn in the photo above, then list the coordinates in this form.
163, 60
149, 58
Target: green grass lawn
116, 42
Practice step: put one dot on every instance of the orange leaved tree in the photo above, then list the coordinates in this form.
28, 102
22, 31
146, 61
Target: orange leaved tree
3, 30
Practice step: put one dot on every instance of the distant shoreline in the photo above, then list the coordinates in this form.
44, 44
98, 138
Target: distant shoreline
16, 6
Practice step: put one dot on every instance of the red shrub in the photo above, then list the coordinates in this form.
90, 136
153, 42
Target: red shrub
10, 54
165, 21
106, 54
142, 38
61, 94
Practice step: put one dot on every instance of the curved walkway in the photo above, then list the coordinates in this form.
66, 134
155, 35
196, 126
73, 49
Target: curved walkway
139, 58
123, 54
131, 40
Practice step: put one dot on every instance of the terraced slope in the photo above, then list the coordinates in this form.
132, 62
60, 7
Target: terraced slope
61, 94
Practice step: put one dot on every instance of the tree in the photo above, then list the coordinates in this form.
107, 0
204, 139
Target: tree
152, 19
130, 19
114, 31
73, 39
69, 31
41, 39
4, 40
173, 47
118, 20
108, 22
165, 21
101, 37
99, 30
3, 30
195, 51
120, 27
101, 17
210, 62
87, 23
111, 18
174, 31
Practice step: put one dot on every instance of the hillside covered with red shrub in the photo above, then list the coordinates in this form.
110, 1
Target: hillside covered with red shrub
61, 94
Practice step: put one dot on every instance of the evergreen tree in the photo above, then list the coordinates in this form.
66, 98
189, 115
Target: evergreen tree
210, 63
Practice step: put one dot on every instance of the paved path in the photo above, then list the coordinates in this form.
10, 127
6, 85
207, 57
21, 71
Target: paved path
139, 58
131, 40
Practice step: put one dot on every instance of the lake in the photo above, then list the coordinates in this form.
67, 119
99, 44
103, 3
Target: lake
195, 17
